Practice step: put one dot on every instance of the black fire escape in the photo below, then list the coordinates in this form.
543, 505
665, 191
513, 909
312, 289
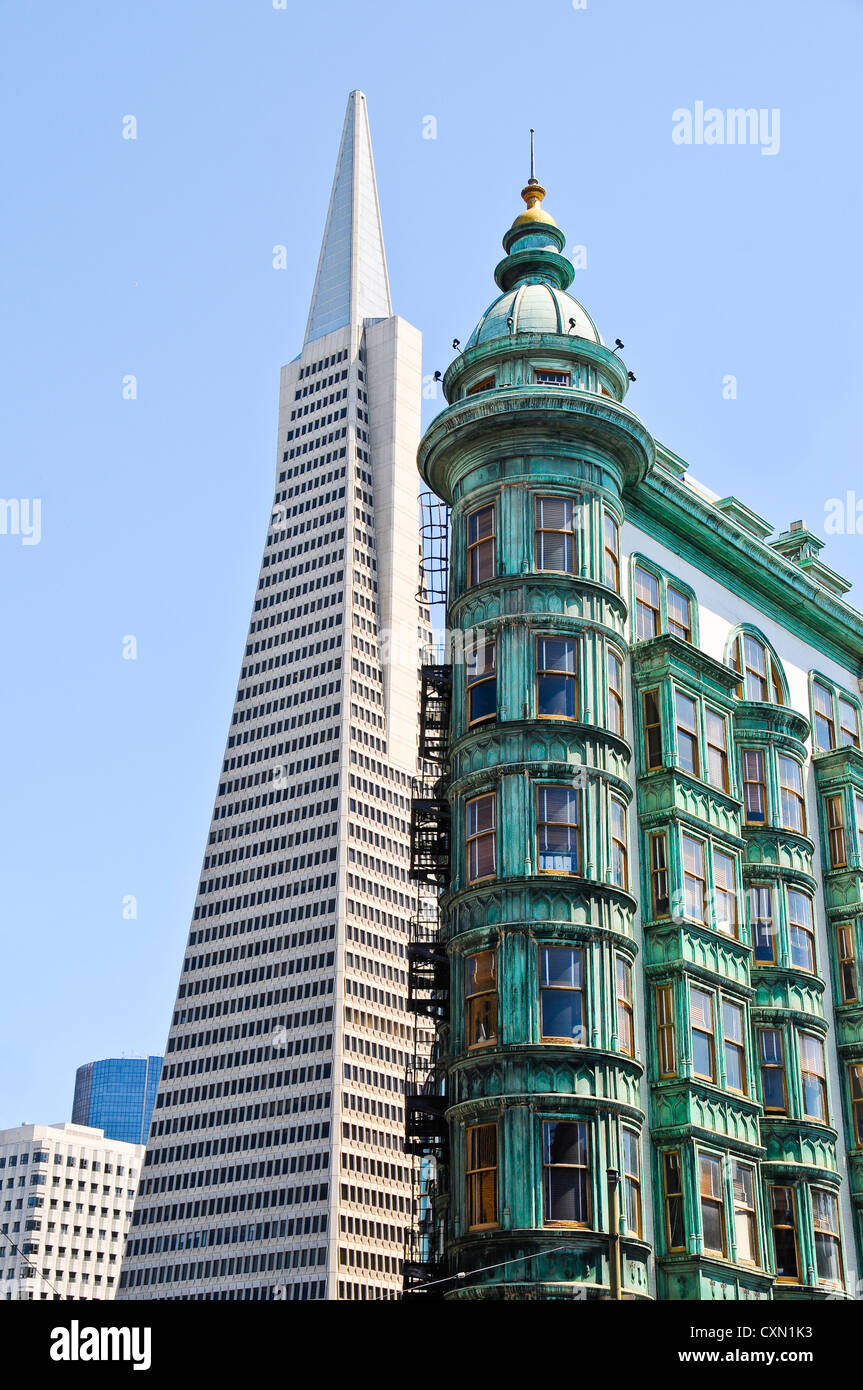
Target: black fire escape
428, 988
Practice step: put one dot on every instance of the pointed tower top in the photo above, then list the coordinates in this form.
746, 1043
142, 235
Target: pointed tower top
352, 282
533, 194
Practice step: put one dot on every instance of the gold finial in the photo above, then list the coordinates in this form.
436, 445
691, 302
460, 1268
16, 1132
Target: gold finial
533, 194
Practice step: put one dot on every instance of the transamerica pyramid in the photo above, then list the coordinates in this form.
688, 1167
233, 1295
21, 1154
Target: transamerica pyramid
274, 1167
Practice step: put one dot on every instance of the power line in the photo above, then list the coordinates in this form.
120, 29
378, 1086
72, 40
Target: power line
453, 1278
17, 1248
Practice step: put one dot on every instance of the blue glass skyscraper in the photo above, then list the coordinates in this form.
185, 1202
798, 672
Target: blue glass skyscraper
117, 1095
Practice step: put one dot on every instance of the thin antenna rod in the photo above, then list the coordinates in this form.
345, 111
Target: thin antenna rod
532, 161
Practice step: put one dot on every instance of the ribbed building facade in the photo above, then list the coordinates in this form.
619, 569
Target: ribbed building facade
647, 833
275, 1166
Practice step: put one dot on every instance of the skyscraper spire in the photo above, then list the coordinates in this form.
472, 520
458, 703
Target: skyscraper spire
352, 282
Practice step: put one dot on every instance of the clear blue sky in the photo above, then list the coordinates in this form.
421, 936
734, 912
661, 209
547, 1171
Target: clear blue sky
153, 257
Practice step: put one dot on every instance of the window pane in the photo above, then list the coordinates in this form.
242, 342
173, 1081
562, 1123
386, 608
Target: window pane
555, 513
646, 603
556, 677
784, 1226
848, 723
754, 788
825, 729
679, 621
761, 920
481, 524
558, 830
565, 1158
480, 814
561, 993
563, 1015
825, 1220
687, 733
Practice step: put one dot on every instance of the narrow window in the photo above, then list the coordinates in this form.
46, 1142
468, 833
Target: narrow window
760, 673
625, 1033
558, 831
855, 1083
652, 729
666, 1047
679, 619
754, 669
801, 931
612, 553
813, 1077
481, 684
712, 1213
703, 1052
481, 1176
672, 1179
566, 1173
845, 957
647, 622
561, 1000
619, 865
632, 1182
836, 832
754, 787
556, 678
772, 1066
745, 1222
694, 881
481, 998
783, 1222
825, 726
481, 837
481, 539
849, 728
687, 733
486, 384
828, 1248
555, 534
791, 792
659, 874
735, 1050
725, 893
615, 693
550, 378
761, 923
858, 811
717, 750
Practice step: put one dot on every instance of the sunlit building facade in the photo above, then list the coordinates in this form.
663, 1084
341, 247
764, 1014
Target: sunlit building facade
649, 999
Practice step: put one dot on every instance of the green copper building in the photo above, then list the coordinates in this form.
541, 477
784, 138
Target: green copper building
641, 836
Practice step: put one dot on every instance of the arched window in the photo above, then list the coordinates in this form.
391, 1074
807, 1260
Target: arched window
661, 603
762, 676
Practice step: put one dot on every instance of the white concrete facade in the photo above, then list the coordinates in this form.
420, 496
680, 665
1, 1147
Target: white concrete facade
274, 1166
67, 1199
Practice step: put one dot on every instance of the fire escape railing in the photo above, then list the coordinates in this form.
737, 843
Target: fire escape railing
426, 1133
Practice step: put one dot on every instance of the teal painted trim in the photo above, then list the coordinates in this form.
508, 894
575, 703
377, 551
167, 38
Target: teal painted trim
664, 577
523, 348
678, 518
522, 420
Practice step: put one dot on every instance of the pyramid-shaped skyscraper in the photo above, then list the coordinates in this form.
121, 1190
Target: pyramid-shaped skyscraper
275, 1167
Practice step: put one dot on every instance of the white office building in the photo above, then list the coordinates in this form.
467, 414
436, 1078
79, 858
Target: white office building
67, 1198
